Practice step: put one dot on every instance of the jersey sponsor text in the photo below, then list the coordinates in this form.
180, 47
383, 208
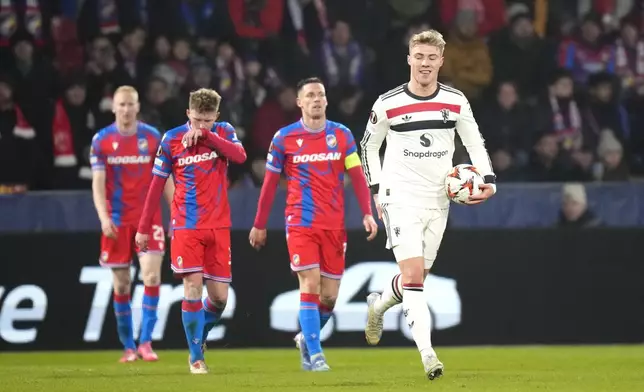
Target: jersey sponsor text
189, 160
321, 157
128, 160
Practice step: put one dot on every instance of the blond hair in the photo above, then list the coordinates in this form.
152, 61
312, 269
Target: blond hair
127, 90
428, 37
204, 100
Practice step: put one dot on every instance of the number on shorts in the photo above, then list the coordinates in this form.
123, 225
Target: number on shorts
157, 233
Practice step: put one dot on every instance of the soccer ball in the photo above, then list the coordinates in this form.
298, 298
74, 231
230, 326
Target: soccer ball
462, 182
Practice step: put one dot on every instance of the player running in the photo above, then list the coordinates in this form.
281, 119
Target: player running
314, 153
122, 157
197, 155
418, 120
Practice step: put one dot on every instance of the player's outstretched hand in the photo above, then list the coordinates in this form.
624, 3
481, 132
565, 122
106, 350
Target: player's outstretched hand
487, 191
191, 137
109, 229
378, 208
370, 226
142, 241
257, 237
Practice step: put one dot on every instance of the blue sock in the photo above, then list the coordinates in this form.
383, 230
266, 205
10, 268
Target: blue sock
123, 313
193, 321
212, 315
325, 315
310, 322
150, 303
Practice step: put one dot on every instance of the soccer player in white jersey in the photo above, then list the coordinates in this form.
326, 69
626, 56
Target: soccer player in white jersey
418, 120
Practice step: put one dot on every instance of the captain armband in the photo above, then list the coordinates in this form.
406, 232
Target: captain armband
351, 161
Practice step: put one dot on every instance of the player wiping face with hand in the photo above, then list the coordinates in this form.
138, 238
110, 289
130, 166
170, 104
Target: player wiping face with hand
196, 154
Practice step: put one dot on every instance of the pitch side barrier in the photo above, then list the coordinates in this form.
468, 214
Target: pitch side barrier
516, 205
488, 287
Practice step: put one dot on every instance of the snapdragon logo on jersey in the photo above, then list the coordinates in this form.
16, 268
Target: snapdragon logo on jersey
424, 154
169, 295
350, 310
321, 157
426, 140
189, 160
128, 160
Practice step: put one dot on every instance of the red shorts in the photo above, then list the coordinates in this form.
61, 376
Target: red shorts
316, 248
206, 251
117, 253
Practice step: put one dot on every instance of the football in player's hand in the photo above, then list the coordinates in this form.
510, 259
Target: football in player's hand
462, 182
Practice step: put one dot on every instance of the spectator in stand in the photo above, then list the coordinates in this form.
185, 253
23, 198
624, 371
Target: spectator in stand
634, 106
587, 53
605, 110
507, 123
34, 77
229, 82
18, 149
504, 167
488, 14
73, 127
341, 58
260, 80
548, 164
560, 113
274, 114
629, 55
104, 75
255, 21
107, 18
519, 54
343, 68
160, 109
545, 164
192, 18
180, 62
129, 54
35, 85
162, 52
574, 208
31, 18
467, 61
613, 166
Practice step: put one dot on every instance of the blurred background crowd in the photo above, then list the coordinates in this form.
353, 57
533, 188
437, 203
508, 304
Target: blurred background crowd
557, 86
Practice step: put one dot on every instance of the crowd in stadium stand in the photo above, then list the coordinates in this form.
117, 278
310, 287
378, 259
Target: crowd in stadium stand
557, 86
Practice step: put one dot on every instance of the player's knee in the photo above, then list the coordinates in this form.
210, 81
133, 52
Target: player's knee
328, 300
412, 270
151, 278
121, 289
121, 281
193, 286
220, 303
309, 281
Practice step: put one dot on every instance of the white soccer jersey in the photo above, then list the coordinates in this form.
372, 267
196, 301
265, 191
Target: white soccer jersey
420, 145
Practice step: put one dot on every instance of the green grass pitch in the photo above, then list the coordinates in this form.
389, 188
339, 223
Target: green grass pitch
499, 369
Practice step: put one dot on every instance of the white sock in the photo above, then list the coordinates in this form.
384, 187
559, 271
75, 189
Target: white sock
418, 317
391, 296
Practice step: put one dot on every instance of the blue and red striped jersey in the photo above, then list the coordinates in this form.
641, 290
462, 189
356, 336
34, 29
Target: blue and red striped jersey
127, 161
314, 164
200, 175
